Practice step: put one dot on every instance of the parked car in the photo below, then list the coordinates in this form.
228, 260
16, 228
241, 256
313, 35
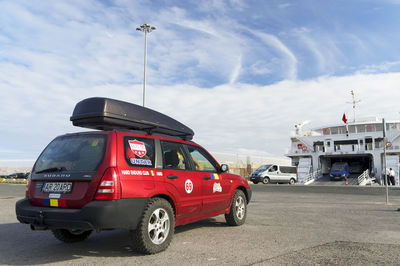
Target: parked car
16, 175
339, 171
117, 177
270, 173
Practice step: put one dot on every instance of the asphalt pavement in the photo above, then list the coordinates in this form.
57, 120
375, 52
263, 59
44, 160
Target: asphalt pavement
286, 225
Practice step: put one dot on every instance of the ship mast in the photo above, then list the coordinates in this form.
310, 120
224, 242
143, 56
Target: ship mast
354, 101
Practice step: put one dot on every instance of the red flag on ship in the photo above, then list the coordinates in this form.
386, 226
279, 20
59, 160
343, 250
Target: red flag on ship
344, 119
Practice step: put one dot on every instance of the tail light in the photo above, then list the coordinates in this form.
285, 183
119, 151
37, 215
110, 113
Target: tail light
109, 188
28, 183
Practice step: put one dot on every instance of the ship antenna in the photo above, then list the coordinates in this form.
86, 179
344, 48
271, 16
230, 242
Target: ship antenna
354, 101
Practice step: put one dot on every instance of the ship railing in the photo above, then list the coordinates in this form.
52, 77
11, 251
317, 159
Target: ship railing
311, 177
365, 179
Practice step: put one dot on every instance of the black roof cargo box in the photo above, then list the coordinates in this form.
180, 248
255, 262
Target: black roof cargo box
106, 114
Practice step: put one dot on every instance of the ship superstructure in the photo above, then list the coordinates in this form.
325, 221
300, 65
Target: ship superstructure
360, 143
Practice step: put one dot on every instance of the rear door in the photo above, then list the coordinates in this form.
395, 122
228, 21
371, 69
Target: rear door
184, 184
216, 185
136, 162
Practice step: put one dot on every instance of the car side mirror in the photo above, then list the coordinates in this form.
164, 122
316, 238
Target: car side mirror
224, 168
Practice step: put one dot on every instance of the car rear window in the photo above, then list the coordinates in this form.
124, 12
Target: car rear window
72, 153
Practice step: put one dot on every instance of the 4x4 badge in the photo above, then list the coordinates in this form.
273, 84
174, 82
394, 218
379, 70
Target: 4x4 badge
137, 147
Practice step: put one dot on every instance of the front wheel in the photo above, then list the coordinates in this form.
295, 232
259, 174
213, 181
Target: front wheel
238, 211
266, 180
156, 227
71, 236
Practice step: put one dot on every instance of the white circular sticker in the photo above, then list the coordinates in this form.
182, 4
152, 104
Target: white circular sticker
188, 186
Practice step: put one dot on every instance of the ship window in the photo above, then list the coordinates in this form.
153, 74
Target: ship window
370, 128
360, 128
334, 130
326, 131
378, 127
379, 143
352, 129
393, 126
328, 143
342, 130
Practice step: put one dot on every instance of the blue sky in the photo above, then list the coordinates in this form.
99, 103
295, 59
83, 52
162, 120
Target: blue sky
240, 73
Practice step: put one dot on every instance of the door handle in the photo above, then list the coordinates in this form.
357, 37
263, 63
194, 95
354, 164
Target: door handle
206, 177
172, 176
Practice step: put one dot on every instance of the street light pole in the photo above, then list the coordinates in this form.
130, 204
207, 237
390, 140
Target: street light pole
146, 28
384, 159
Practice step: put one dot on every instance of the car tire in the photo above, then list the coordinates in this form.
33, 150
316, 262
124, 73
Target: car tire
71, 236
156, 227
255, 183
292, 181
238, 211
266, 180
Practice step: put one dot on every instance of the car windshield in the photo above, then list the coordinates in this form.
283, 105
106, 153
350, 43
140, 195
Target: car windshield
338, 167
72, 153
264, 167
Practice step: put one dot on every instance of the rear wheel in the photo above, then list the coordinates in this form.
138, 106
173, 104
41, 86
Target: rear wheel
266, 180
238, 211
70, 236
156, 227
292, 181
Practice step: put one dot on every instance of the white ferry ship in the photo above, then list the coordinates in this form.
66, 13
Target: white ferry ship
359, 143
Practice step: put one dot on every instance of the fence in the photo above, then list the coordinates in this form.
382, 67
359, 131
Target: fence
311, 177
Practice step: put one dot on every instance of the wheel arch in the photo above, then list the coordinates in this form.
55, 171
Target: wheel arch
242, 188
167, 198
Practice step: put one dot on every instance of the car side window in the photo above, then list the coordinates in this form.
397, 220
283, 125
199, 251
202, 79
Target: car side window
173, 156
202, 160
139, 152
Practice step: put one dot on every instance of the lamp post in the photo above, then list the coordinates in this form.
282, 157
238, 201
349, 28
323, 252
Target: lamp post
146, 28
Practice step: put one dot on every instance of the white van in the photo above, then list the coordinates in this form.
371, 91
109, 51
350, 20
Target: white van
272, 173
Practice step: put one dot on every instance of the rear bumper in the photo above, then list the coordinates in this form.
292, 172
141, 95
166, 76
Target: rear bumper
99, 214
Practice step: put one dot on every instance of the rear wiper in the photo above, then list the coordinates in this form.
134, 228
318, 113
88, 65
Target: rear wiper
52, 169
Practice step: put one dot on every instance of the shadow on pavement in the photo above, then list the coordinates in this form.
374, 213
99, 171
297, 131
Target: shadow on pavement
20, 245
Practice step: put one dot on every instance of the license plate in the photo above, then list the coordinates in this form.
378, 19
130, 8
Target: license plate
52, 187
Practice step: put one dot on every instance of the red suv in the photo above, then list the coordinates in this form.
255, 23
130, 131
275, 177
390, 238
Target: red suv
139, 172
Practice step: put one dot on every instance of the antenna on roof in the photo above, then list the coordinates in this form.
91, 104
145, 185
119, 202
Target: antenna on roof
354, 101
300, 126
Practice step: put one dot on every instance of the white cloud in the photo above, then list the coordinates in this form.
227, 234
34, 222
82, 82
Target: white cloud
55, 54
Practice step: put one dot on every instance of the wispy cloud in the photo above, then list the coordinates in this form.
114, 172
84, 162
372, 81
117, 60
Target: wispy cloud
290, 59
236, 72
